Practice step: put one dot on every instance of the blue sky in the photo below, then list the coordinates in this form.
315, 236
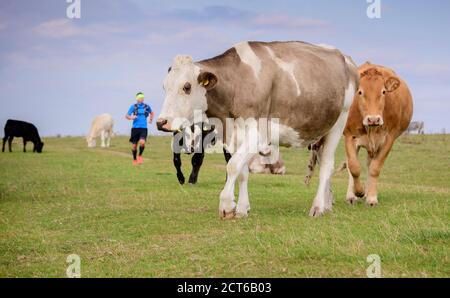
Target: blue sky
58, 73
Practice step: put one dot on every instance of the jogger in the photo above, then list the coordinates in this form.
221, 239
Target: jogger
138, 113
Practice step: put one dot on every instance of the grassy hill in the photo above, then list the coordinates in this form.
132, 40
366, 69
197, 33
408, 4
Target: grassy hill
128, 221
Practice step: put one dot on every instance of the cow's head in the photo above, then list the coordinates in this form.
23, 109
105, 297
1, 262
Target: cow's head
185, 86
39, 147
91, 142
371, 96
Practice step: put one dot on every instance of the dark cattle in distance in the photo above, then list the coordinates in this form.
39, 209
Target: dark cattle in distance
179, 138
21, 129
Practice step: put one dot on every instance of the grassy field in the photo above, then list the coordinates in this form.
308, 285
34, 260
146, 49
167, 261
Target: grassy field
126, 221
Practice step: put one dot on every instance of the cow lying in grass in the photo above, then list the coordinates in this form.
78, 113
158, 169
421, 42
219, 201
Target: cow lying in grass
257, 165
20, 129
102, 126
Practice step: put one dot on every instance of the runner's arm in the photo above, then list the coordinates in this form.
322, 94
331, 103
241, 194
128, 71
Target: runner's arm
150, 119
129, 115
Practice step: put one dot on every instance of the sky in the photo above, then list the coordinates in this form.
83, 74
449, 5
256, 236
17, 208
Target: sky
58, 73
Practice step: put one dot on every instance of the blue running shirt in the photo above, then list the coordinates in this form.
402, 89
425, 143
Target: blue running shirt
141, 120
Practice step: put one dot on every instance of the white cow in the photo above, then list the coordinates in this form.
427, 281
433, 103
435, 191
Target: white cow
257, 165
102, 126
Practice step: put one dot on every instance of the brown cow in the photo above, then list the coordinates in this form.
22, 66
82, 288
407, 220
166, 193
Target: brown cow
380, 113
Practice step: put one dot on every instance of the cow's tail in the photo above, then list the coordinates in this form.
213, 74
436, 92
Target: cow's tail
342, 167
314, 159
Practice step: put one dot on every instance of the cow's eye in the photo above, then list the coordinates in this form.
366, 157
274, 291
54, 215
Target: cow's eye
360, 92
187, 88
384, 92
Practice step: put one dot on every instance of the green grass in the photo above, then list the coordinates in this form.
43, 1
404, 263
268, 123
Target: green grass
125, 221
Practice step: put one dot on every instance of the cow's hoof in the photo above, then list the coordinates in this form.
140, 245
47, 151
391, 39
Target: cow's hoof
242, 212
241, 215
181, 179
372, 201
316, 212
360, 193
227, 215
352, 200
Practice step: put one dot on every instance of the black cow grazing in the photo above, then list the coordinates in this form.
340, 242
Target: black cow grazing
208, 137
20, 129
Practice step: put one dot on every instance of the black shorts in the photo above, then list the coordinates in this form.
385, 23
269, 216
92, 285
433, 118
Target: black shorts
138, 134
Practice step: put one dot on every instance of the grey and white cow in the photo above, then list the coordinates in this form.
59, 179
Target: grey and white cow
307, 88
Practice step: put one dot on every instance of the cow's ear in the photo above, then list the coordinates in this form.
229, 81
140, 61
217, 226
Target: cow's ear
207, 80
392, 84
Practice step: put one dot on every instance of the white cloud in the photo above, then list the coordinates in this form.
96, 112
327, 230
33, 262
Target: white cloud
287, 22
182, 35
424, 69
60, 28
66, 28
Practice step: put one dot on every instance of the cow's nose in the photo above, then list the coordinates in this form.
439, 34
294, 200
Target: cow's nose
162, 125
374, 120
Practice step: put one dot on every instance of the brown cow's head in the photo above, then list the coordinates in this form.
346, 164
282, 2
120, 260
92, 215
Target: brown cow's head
371, 96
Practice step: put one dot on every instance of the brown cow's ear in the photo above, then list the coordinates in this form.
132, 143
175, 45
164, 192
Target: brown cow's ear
207, 80
392, 84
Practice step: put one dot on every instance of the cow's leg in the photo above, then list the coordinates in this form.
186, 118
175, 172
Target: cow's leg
243, 205
227, 207
177, 164
10, 143
24, 145
197, 161
5, 138
226, 155
375, 166
324, 197
354, 188
103, 136
108, 138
